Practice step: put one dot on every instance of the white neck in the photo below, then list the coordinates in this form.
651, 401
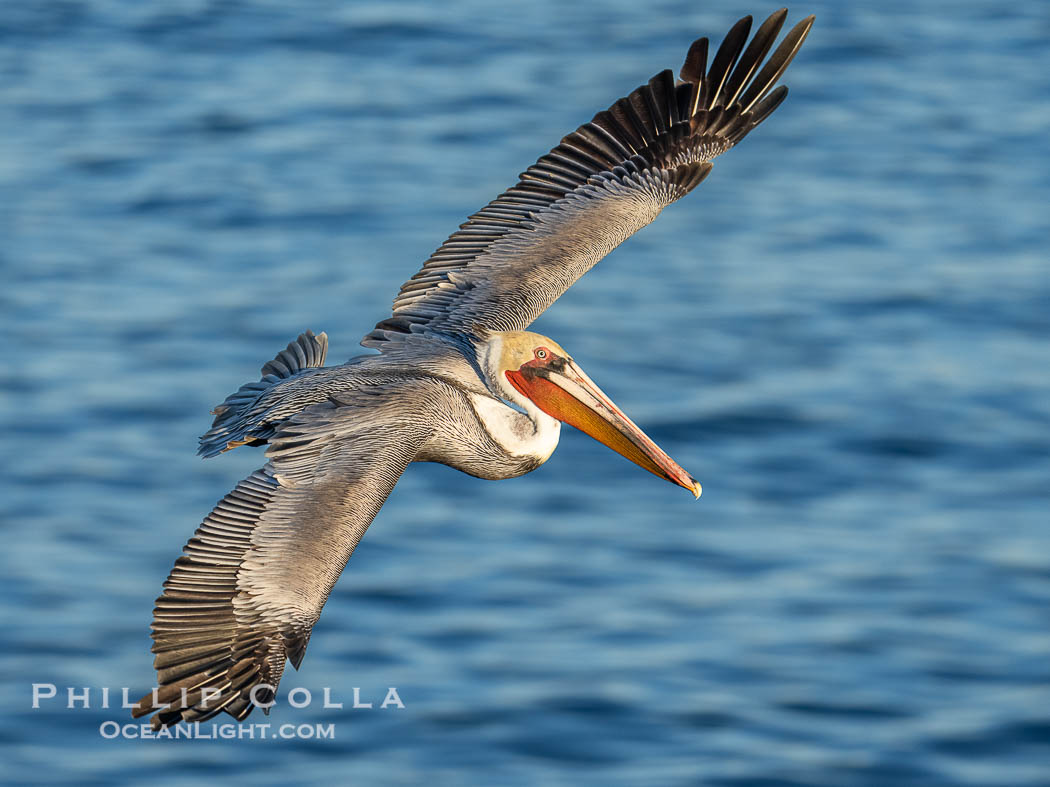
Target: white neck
519, 434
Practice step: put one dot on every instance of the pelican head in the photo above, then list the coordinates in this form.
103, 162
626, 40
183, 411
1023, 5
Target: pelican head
533, 372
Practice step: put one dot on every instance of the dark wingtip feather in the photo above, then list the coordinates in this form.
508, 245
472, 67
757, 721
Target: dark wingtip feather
769, 103
724, 61
777, 63
753, 55
695, 65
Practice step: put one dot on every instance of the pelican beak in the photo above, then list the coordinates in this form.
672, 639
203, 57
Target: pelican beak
563, 391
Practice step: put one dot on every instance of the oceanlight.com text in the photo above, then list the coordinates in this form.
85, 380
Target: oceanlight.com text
249, 731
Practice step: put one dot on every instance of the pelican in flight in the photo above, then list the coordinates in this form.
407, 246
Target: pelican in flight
457, 380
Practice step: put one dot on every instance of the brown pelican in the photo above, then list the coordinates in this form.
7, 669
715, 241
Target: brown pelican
457, 380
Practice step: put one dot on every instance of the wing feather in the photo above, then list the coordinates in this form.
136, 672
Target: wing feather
243, 598
599, 185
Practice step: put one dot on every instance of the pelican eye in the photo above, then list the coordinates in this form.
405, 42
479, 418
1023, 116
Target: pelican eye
541, 354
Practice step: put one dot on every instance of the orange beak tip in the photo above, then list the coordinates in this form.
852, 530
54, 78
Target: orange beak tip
697, 489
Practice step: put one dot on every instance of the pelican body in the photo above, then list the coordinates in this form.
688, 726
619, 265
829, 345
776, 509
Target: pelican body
457, 380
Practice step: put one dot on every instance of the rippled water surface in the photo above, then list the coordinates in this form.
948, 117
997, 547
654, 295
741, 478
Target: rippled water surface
842, 334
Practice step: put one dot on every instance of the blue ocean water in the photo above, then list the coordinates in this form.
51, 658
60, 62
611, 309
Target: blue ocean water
842, 333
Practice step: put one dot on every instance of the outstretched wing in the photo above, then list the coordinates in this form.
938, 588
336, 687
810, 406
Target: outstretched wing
251, 582
605, 181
